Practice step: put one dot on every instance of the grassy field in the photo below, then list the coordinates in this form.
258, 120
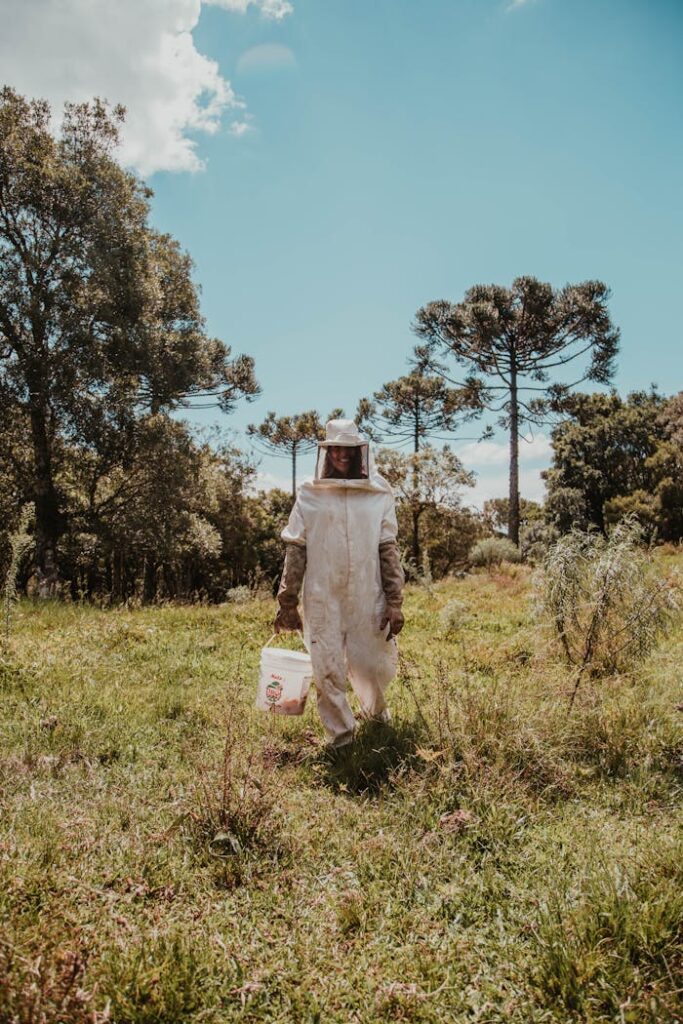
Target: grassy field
169, 854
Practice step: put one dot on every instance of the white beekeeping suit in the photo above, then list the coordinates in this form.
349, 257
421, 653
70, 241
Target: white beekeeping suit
342, 535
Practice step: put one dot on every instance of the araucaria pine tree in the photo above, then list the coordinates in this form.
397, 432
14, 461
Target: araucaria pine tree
514, 343
289, 436
412, 410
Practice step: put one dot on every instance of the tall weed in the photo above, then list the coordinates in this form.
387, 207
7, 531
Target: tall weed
235, 803
20, 543
605, 600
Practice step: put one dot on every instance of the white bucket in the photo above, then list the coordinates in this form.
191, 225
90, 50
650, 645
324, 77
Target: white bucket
284, 681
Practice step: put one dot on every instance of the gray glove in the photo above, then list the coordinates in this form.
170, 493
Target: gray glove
393, 581
288, 618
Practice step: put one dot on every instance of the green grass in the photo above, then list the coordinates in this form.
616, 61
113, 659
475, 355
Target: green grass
169, 854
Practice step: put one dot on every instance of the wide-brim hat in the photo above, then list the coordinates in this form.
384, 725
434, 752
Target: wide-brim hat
342, 432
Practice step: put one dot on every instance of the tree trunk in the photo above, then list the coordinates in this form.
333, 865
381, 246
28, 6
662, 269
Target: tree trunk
149, 591
294, 472
416, 495
49, 526
513, 510
416, 538
116, 576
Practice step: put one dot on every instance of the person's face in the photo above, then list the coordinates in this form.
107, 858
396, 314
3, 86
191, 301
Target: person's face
341, 457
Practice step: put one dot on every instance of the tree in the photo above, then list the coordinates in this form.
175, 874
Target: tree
266, 517
441, 477
496, 513
147, 518
171, 520
615, 456
99, 320
512, 341
290, 436
668, 464
601, 451
415, 408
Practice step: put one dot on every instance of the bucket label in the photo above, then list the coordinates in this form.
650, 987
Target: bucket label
273, 692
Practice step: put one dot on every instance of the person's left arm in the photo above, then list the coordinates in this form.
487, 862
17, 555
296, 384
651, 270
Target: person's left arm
393, 579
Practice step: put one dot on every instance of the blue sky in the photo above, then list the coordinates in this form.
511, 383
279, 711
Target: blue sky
403, 151
390, 152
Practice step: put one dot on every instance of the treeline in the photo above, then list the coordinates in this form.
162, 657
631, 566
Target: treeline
176, 519
102, 345
179, 517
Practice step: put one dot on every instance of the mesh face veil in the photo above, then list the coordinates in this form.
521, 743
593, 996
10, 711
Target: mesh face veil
359, 468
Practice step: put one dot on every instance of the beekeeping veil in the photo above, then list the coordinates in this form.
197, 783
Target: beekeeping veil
362, 472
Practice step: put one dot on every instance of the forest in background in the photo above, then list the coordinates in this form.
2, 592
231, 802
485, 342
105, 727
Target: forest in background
103, 346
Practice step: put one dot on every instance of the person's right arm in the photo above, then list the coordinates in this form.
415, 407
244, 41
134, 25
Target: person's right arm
294, 536
288, 617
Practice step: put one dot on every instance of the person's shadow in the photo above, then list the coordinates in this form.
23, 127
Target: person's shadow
374, 761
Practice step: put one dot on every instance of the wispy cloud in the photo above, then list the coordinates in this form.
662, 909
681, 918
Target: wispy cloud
240, 128
264, 481
275, 9
514, 5
137, 52
266, 57
490, 460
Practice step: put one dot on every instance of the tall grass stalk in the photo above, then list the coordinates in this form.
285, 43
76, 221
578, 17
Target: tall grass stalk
20, 543
235, 800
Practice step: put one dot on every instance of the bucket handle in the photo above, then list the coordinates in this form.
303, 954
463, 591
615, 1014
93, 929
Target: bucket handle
268, 643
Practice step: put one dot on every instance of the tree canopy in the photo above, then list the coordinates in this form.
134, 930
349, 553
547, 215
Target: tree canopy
416, 408
612, 456
429, 486
514, 343
99, 317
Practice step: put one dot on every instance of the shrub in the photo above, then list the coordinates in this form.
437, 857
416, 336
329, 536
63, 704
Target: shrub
238, 595
535, 541
492, 551
453, 616
605, 599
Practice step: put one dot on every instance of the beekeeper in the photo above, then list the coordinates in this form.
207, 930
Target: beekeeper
341, 544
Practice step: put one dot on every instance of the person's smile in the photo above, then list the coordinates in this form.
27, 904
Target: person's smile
340, 457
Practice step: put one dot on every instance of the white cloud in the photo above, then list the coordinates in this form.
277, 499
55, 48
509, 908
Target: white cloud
137, 52
276, 9
490, 460
497, 453
239, 128
497, 486
264, 481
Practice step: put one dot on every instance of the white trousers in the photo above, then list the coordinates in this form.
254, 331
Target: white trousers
349, 647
